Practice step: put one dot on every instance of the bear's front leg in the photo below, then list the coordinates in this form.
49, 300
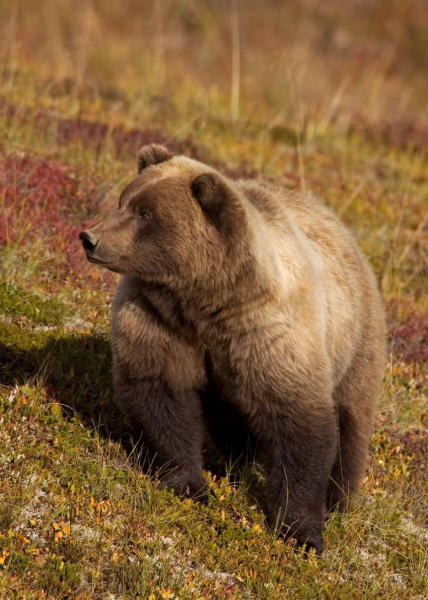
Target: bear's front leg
158, 373
296, 447
169, 424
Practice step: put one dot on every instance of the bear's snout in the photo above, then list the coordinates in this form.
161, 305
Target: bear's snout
97, 252
88, 241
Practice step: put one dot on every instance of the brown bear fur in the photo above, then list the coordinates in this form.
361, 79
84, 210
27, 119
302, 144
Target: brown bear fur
243, 299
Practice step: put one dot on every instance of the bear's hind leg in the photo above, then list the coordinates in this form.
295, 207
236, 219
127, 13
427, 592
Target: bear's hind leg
356, 401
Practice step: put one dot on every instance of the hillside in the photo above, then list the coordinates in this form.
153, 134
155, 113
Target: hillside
311, 97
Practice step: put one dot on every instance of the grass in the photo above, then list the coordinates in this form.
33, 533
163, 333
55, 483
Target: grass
78, 517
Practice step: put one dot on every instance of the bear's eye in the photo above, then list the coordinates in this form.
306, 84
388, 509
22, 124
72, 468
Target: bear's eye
144, 214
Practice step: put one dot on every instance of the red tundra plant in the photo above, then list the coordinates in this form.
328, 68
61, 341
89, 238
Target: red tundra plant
411, 339
41, 198
409, 332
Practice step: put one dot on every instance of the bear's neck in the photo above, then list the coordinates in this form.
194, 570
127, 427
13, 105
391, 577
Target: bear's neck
220, 313
234, 298
214, 310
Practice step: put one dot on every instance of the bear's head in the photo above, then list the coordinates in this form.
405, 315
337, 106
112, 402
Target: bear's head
178, 220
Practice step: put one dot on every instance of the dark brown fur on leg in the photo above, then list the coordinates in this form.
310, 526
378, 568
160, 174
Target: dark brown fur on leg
350, 463
171, 425
297, 474
356, 398
157, 378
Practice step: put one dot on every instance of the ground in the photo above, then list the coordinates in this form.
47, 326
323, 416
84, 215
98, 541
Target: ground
78, 518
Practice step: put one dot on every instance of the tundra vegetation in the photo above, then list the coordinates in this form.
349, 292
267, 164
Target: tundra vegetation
308, 95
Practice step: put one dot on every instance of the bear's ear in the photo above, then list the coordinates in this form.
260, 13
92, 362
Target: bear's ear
152, 155
214, 198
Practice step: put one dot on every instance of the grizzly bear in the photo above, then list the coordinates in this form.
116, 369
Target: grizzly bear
249, 302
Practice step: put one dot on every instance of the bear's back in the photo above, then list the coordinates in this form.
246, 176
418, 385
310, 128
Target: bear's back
344, 282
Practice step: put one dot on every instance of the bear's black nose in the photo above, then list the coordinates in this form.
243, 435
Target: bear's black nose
88, 243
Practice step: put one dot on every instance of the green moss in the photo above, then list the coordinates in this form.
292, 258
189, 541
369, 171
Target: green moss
15, 301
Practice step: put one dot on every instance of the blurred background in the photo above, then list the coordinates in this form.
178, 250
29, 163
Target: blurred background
343, 61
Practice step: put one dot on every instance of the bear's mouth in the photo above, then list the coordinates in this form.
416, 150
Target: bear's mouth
96, 261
